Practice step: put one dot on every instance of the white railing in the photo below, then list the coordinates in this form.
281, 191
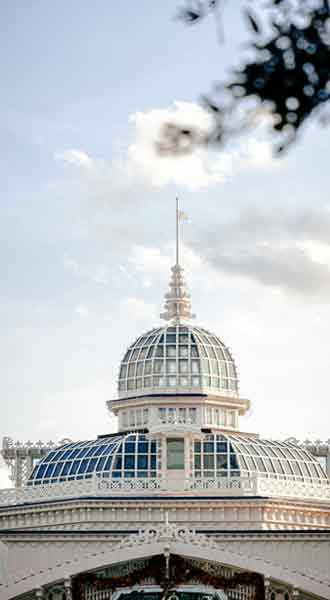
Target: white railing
293, 488
253, 485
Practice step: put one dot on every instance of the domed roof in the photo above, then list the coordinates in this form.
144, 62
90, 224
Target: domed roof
177, 358
134, 456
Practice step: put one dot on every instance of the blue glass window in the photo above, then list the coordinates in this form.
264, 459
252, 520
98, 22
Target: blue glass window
142, 461
66, 468
49, 457
91, 465
50, 469
41, 471
101, 463
129, 461
83, 466
108, 463
130, 447
118, 463
74, 467
82, 452
58, 469
143, 447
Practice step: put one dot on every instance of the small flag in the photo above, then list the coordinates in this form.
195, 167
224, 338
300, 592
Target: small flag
182, 216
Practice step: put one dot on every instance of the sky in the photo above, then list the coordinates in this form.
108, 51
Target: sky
87, 220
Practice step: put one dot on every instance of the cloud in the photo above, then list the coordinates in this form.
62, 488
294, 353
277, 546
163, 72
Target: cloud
143, 165
78, 158
286, 250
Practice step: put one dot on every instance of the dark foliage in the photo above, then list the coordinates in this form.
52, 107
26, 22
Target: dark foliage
290, 73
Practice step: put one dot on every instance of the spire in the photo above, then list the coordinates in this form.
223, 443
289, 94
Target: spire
177, 305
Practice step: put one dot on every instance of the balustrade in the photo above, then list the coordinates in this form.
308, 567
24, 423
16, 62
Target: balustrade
96, 486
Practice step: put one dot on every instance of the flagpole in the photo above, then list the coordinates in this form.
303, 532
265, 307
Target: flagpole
177, 230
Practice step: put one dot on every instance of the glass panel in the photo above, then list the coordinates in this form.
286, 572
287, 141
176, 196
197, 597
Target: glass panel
171, 339
50, 470
142, 462
129, 461
171, 351
194, 352
175, 453
158, 366
211, 352
171, 366
222, 461
195, 366
123, 372
196, 381
159, 351
66, 468
208, 461
139, 368
205, 366
147, 367
183, 366
208, 447
231, 370
214, 367
183, 351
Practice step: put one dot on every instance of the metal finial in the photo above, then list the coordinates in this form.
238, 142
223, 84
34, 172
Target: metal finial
177, 300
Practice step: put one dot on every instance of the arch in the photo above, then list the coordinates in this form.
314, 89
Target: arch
122, 552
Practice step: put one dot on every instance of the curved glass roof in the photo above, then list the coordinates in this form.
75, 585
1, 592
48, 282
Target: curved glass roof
177, 359
276, 458
118, 456
215, 455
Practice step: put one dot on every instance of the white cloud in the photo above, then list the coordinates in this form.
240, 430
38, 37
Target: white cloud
78, 158
143, 165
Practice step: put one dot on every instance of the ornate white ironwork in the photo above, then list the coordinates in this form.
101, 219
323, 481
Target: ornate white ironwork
20, 457
243, 486
318, 448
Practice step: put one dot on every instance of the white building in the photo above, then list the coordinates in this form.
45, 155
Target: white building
180, 503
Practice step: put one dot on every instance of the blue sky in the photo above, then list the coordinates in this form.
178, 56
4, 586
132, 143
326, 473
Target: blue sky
87, 212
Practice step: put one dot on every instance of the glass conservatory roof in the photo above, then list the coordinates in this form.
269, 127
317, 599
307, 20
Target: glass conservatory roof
216, 455
177, 359
130, 455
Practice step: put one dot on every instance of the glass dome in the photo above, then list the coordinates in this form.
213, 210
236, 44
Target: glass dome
242, 456
133, 455
177, 359
116, 456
